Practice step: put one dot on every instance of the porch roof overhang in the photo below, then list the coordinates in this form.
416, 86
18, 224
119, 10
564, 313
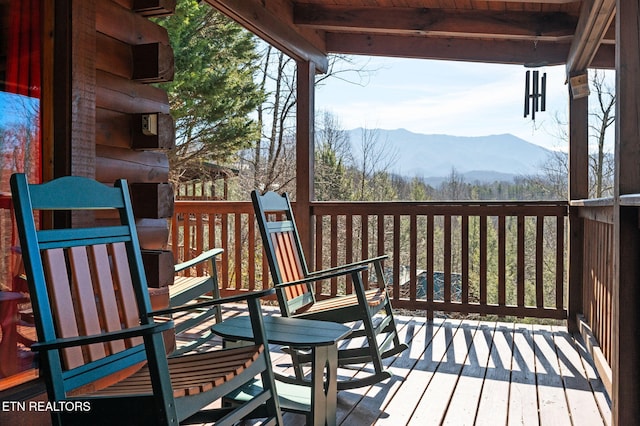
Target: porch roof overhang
580, 34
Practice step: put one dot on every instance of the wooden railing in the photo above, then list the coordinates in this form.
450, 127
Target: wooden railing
494, 258
488, 258
201, 225
598, 274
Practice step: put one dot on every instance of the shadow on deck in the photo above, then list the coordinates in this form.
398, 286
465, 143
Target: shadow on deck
467, 372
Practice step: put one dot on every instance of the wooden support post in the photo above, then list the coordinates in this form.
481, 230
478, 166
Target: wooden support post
625, 356
83, 94
578, 189
305, 150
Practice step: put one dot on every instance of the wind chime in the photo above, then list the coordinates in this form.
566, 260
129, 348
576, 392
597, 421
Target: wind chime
535, 93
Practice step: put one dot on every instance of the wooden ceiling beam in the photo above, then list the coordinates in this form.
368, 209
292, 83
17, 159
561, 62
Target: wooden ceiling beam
444, 22
452, 49
595, 19
273, 22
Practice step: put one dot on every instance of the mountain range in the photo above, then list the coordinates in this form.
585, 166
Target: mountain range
477, 158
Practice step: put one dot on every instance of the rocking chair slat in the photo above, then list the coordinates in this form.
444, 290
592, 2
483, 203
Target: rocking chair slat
62, 304
123, 280
105, 293
85, 300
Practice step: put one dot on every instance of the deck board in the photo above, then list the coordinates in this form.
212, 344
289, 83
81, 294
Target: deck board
466, 397
551, 395
523, 401
493, 406
433, 406
401, 408
582, 406
375, 397
473, 373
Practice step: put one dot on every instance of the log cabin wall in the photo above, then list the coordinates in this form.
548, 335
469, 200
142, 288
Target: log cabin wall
133, 127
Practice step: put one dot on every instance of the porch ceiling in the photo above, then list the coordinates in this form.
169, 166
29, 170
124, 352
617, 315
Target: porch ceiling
536, 32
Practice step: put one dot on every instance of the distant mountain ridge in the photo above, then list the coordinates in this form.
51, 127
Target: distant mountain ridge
477, 158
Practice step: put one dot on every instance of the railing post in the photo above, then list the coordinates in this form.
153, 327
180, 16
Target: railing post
626, 289
578, 190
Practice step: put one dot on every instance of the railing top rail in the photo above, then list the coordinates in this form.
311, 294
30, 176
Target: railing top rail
446, 203
625, 200
453, 208
630, 200
443, 208
592, 202
208, 206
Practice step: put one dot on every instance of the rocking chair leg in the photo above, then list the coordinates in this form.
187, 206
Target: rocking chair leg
369, 327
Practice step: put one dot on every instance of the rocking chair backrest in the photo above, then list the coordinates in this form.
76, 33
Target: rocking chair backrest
283, 249
83, 281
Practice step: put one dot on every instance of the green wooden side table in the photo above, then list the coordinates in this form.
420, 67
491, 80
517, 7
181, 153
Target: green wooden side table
317, 397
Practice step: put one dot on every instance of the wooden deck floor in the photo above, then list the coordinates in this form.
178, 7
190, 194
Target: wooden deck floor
475, 373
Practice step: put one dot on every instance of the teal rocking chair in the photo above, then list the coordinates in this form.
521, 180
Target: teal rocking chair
102, 354
293, 282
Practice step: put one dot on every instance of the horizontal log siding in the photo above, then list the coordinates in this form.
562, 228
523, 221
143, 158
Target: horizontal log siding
598, 275
494, 258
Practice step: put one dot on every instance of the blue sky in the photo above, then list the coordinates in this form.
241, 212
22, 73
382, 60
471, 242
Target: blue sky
439, 97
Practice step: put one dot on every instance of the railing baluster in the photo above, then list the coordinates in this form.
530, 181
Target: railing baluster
396, 256
251, 255
349, 249
334, 252
187, 237
464, 230
211, 226
483, 260
224, 237
520, 260
559, 262
364, 235
237, 262
502, 261
319, 249
430, 264
447, 259
539, 261
381, 235
199, 237
413, 256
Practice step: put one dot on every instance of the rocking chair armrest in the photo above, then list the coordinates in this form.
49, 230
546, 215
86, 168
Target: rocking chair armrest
334, 273
202, 257
221, 301
351, 265
67, 342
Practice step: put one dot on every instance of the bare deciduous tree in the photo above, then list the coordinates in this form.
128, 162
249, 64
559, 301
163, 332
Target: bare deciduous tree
603, 117
372, 161
270, 163
333, 154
